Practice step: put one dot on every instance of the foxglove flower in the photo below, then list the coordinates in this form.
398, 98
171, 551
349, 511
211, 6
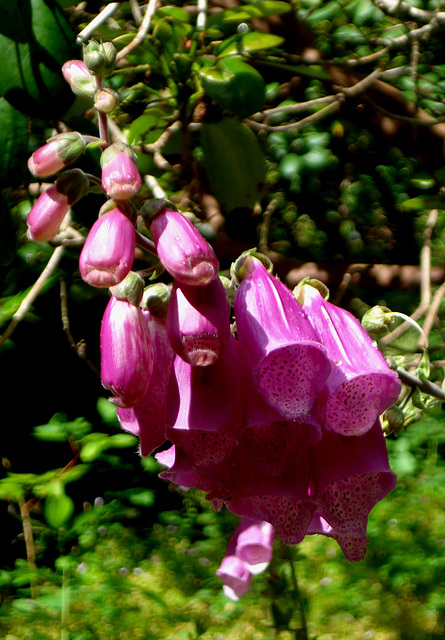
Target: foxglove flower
108, 253
235, 575
198, 322
183, 251
60, 151
353, 544
361, 385
78, 76
283, 501
289, 364
148, 418
126, 352
120, 175
52, 205
349, 476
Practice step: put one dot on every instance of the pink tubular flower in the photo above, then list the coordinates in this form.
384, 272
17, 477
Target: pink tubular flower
236, 577
56, 154
361, 385
120, 175
183, 251
47, 214
126, 352
148, 418
350, 475
353, 545
289, 364
198, 322
79, 78
108, 253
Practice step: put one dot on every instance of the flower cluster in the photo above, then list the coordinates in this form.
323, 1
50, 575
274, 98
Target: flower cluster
280, 423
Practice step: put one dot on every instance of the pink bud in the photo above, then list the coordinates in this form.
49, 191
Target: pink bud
361, 385
56, 154
120, 176
79, 78
108, 253
47, 214
198, 322
126, 352
183, 251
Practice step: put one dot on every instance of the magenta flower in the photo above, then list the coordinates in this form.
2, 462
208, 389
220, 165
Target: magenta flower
77, 74
283, 501
289, 364
353, 545
148, 418
361, 385
120, 175
183, 251
47, 214
56, 154
198, 322
349, 476
108, 253
235, 575
126, 352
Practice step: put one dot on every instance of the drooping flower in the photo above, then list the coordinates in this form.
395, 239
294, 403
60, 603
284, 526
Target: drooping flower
61, 150
183, 251
289, 364
126, 352
120, 175
361, 385
78, 76
108, 253
198, 322
148, 418
235, 575
349, 476
52, 205
352, 544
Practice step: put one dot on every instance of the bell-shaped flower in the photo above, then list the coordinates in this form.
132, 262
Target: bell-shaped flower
108, 253
283, 500
183, 251
120, 175
289, 364
78, 76
361, 385
254, 544
235, 575
349, 476
60, 151
126, 352
353, 544
148, 417
52, 205
198, 322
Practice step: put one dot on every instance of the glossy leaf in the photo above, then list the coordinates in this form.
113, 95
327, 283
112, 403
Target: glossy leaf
35, 40
422, 203
58, 509
234, 162
248, 43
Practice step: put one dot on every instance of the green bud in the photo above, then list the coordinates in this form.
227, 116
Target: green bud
298, 291
238, 269
99, 58
156, 298
130, 289
393, 420
376, 321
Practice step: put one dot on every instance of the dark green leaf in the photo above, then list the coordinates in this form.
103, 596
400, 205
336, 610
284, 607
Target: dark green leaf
58, 509
248, 42
14, 145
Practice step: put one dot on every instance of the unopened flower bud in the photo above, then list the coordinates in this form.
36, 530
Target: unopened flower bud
78, 76
51, 207
393, 420
106, 100
183, 251
126, 352
60, 151
120, 176
156, 298
130, 289
99, 58
376, 321
240, 268
108, 253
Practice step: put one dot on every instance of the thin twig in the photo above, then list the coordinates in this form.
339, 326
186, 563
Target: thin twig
294, 126
154, 187
431, 316
108, 11
425, 259
33, 293
424, 385
29, 542
264, 231
202, 15
142, 31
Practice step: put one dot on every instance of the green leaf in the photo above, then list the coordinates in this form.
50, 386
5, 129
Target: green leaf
58, 430
248, 43
121, 441
423, 203
58, 509
141, 497
35, 40
234, 162
107, 411
14, 145
235, 86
